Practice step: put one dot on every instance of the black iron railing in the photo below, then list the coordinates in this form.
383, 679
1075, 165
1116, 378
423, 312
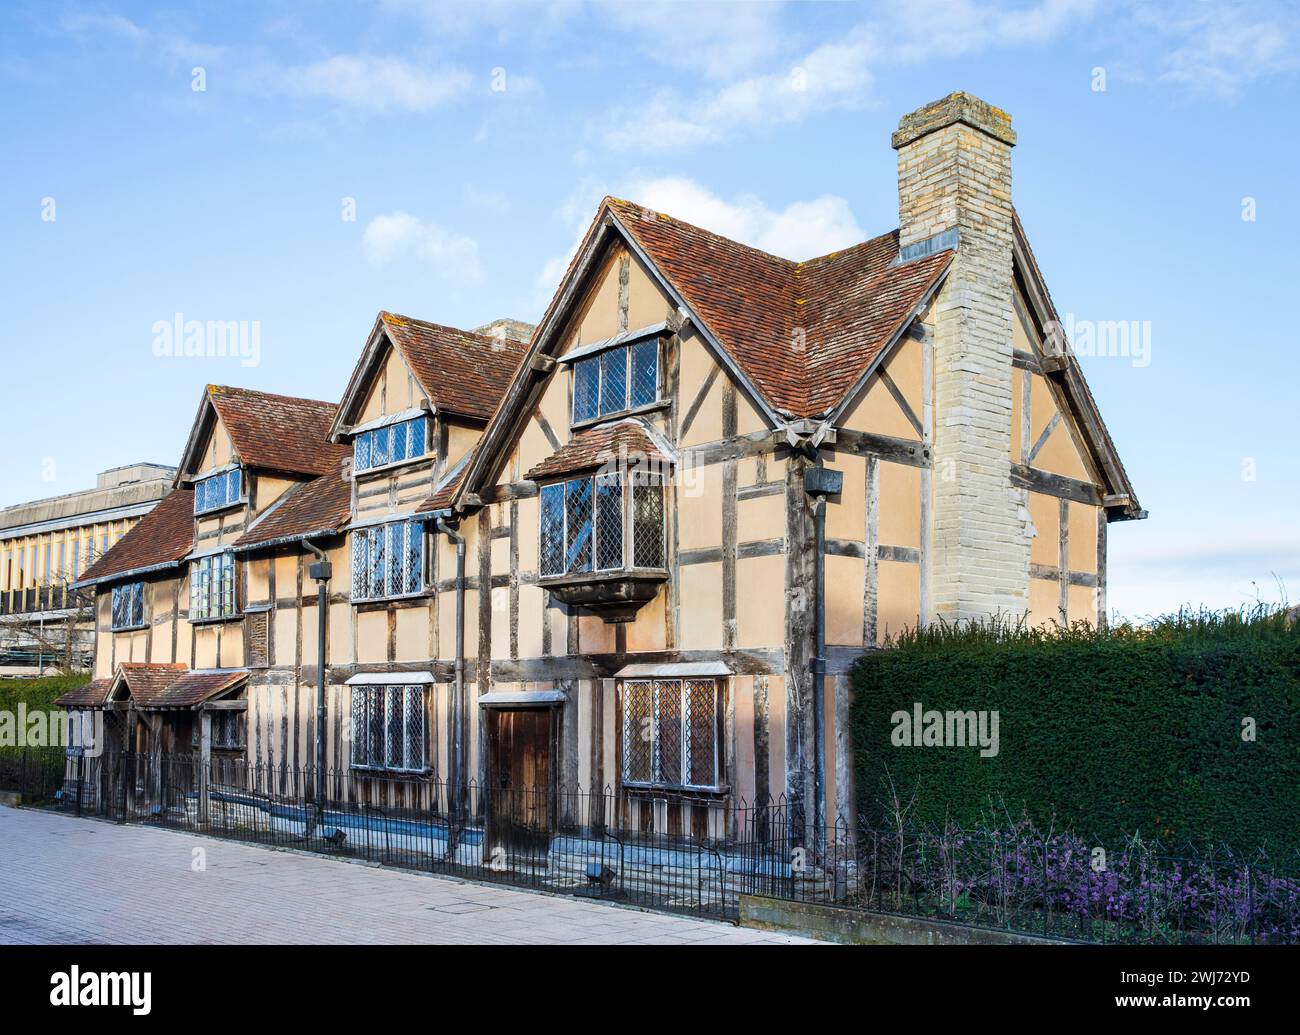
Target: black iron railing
693, 854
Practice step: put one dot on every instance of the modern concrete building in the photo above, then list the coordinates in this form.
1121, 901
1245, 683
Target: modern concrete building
46, 545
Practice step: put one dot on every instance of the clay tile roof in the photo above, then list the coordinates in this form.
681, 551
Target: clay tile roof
460, 371
278, 432
320, 506
594, 447
174, 686
442, 497
163, 536
802, 332
91, 695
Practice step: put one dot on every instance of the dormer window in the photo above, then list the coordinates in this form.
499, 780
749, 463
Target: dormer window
221, 490
616, 380
391, 444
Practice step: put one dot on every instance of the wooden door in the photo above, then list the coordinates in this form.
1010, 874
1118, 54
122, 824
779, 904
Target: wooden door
521, 783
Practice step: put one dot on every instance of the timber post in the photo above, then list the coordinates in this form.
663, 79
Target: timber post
205, 762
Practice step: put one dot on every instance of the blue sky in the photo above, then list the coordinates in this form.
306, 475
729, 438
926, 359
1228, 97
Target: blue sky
474, 140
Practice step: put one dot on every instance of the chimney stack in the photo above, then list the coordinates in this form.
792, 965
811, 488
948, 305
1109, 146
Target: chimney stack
954, 191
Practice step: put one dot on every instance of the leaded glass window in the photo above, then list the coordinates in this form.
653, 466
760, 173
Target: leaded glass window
212, 587
388, 728
406, 440
128, 606
604, 523
616, 380
388, 560
219, 491
671, 733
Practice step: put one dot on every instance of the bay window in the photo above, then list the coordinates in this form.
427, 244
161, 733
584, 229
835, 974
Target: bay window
388, 560
212, 587
128, 606
602, 522
391, 444
671, 734
221, 490
616, 380
388, 728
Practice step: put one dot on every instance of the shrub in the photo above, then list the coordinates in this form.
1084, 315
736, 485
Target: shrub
1113, 732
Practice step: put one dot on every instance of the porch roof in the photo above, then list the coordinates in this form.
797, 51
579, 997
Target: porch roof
92, 695
154, 687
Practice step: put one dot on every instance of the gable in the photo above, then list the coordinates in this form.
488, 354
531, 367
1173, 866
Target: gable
390, 388
1045, 435
215, 448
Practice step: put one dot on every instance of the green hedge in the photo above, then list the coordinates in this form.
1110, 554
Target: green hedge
37, 694
1107, 733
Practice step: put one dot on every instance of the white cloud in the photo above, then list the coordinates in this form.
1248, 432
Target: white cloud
800, 230
1152, 571
375, 83
829, 76
1219, 50
839, 73
718, 40
400, 235
167, 48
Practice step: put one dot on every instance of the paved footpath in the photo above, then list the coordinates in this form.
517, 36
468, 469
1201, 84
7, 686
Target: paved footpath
64, 879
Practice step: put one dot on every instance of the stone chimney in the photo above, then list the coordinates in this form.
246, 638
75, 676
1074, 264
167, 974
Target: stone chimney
954, 191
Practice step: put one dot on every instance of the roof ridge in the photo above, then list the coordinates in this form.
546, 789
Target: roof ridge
487, 339
214, 389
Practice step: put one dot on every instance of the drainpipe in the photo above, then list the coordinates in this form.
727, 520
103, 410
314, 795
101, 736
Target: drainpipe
321, 572
456, 788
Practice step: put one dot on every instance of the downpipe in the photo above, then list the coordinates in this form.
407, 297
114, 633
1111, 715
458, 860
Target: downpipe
321, 571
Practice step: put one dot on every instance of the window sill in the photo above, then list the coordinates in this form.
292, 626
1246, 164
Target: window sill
615, 596
378, 603
674, 791
384, 771
222, 620
393, 466
606, 418
128, 628
224, 508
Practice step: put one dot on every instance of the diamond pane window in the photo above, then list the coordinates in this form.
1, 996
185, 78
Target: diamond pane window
359, 724
577, 517
647, 522
613, 381
638, 733
701, 709
394, 550
212, 587
584, 524
128, 606
551, 543
414, 728
645, 373
668, 727
361, 452
609, 522
586, 388
218, 491
670, 733
388, 728
388, 560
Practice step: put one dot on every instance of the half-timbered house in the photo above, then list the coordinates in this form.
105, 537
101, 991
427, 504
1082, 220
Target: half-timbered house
640, 549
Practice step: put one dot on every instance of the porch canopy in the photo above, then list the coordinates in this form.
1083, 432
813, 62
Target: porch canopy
155, 688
